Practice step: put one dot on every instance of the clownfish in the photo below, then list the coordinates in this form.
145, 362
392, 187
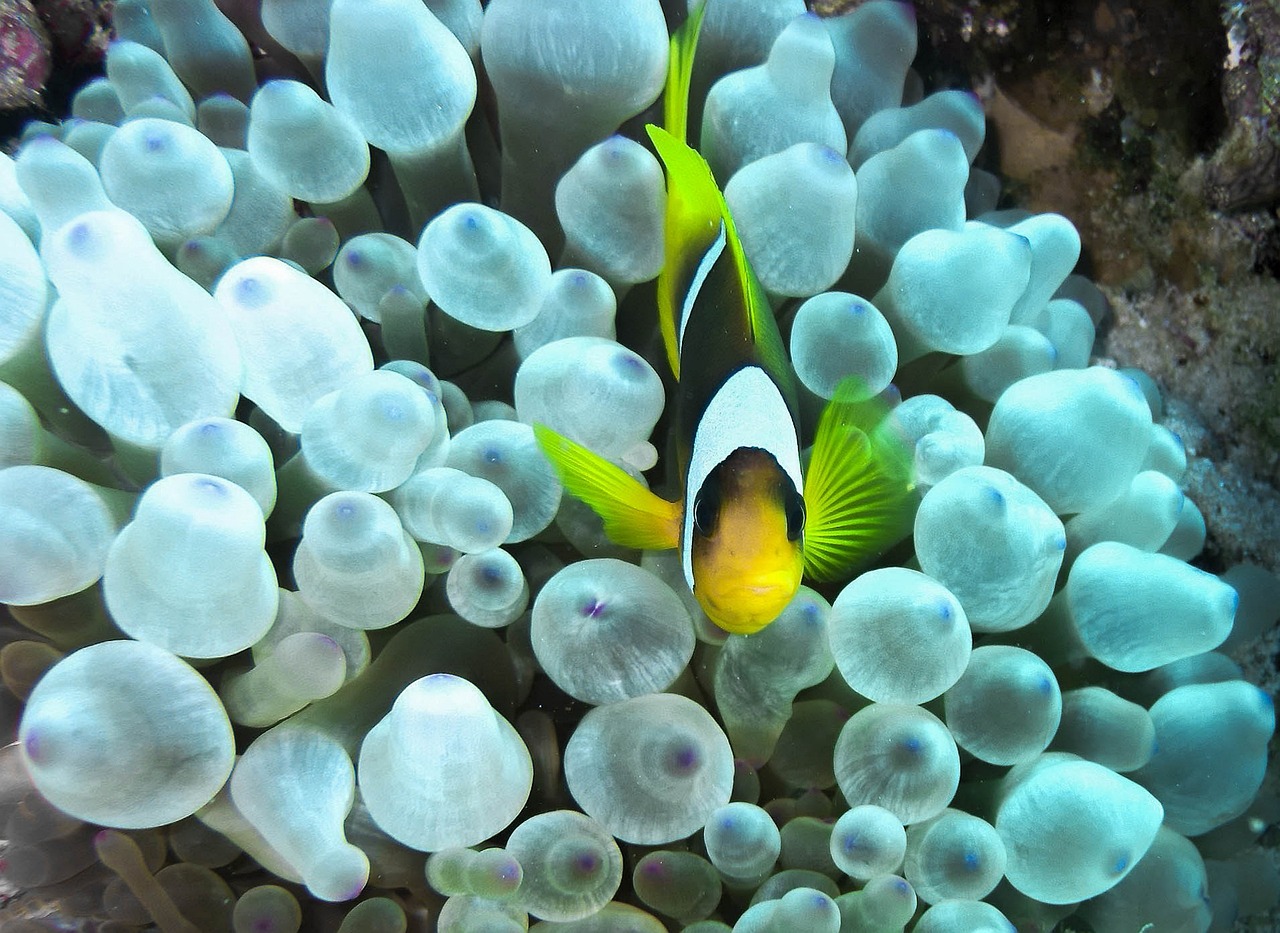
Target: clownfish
752, 520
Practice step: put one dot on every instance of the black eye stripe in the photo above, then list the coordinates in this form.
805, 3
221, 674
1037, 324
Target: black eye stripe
793, 504
706, 509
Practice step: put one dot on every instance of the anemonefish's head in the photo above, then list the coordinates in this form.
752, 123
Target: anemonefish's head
748, 523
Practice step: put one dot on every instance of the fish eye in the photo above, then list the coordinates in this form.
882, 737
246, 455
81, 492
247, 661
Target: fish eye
706, 508
794, 505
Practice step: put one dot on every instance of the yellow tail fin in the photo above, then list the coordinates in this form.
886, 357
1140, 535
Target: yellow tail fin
675, 105
696, 213
687, 220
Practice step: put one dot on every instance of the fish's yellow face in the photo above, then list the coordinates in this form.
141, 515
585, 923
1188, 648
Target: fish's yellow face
746, 545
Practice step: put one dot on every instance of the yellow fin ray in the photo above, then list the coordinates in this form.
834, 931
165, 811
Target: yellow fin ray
633, 516
857, 489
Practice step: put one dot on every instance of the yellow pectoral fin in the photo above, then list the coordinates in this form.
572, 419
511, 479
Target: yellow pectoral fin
858, 487
633, 516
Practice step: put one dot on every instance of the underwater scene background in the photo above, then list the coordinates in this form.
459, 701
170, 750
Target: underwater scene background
301, 630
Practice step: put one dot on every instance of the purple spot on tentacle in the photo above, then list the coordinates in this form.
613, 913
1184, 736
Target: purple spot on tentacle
80, 237
830, 156
211, 485
594, 609
655, 868
629, 365
251, 292
684, 759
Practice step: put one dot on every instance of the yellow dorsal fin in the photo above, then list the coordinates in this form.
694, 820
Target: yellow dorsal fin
857, 488
691, 226
633, 516
695, 211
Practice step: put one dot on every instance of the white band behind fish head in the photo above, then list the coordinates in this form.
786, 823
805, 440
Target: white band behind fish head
747, 411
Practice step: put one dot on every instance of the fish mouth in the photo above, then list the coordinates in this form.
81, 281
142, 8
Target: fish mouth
750, 606
770, 584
